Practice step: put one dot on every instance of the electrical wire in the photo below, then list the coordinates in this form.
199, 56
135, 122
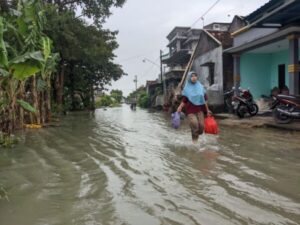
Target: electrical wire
201, 17
205, 13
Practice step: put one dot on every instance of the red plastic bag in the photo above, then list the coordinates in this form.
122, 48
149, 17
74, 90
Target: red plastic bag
211, 126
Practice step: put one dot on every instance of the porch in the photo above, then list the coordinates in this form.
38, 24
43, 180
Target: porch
268, 62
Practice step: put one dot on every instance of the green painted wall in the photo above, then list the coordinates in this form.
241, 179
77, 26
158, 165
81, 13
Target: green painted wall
255, 73
259, 72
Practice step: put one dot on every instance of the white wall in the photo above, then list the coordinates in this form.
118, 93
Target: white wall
214, 92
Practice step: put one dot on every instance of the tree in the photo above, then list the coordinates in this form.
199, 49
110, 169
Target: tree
105, 101
86, 60
98, 10
30, 32
23, 55
117, 95
143, 100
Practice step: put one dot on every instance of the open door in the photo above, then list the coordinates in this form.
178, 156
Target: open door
281, 76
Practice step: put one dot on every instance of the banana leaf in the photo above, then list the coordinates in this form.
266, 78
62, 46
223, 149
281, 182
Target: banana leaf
26, 106
37, 55
27, 65
3, 52
22, 71
4, 73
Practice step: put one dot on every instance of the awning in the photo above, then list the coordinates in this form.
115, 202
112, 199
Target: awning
179, 57
174, 75
274, 37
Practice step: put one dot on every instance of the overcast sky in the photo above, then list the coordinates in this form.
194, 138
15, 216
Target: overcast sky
144, 24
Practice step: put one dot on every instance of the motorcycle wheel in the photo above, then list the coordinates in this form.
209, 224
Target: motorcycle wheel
253, 109
241, 111
228, 106
281, 118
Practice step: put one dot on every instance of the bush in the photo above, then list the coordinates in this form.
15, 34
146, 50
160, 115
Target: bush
104, 101
144, 100
117, 95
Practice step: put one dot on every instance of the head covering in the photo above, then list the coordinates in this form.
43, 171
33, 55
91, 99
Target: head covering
194, 91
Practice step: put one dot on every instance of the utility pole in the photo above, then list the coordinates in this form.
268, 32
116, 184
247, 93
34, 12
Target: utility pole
135, 81
135, 97
161, 67
202, 18
161, 76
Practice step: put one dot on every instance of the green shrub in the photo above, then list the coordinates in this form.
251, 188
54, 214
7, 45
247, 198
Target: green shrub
104, 101
144, 100
117, 95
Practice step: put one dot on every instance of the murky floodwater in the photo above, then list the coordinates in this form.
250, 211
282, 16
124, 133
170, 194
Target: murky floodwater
124, 167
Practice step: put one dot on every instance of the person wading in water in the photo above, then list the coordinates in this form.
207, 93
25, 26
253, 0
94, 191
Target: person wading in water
195, 103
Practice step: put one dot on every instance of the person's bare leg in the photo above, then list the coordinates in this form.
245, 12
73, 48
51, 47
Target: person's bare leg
194, 125
200, 117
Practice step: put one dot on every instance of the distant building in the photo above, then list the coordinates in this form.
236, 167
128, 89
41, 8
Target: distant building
182, 41
154, 90
214, 68
217, 26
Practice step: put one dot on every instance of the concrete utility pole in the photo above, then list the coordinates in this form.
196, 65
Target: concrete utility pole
135, 81
161, 75
161, 67
134, 101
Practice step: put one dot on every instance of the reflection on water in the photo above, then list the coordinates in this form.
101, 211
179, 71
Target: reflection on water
130, 167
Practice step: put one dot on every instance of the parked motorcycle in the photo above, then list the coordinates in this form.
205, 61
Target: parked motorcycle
242, 103
286, 108
228, 97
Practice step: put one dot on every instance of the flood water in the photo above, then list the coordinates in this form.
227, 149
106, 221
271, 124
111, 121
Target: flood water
123, 167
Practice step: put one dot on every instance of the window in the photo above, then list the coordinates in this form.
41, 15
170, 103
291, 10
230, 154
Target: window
211, 73
216, 27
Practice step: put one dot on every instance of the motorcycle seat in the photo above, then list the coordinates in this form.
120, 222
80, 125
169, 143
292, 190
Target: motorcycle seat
294, 98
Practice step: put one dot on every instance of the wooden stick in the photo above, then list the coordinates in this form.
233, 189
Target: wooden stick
187, 69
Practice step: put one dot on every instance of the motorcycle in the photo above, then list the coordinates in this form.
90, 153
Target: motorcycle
228, 97
242, 103
285, 108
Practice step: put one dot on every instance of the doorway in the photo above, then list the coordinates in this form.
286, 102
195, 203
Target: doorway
281, 76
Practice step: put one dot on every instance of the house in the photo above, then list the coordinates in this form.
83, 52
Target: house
182, 41
213, 66
216, 26
266, 49
154, 90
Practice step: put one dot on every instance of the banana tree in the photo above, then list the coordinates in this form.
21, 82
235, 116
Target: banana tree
49, 66
14, 71
30, 24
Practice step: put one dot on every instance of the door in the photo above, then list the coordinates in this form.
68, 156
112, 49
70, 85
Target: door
281, 76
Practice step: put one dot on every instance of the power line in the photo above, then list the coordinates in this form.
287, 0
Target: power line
145, 73
143, 55
205, 13
136, 56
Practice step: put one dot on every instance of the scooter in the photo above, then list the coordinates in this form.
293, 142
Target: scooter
285, 108
242, 103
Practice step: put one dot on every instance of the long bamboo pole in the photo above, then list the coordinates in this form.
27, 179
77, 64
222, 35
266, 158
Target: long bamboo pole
187, 69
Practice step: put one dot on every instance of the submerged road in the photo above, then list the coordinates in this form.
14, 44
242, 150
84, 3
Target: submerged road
130, 167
